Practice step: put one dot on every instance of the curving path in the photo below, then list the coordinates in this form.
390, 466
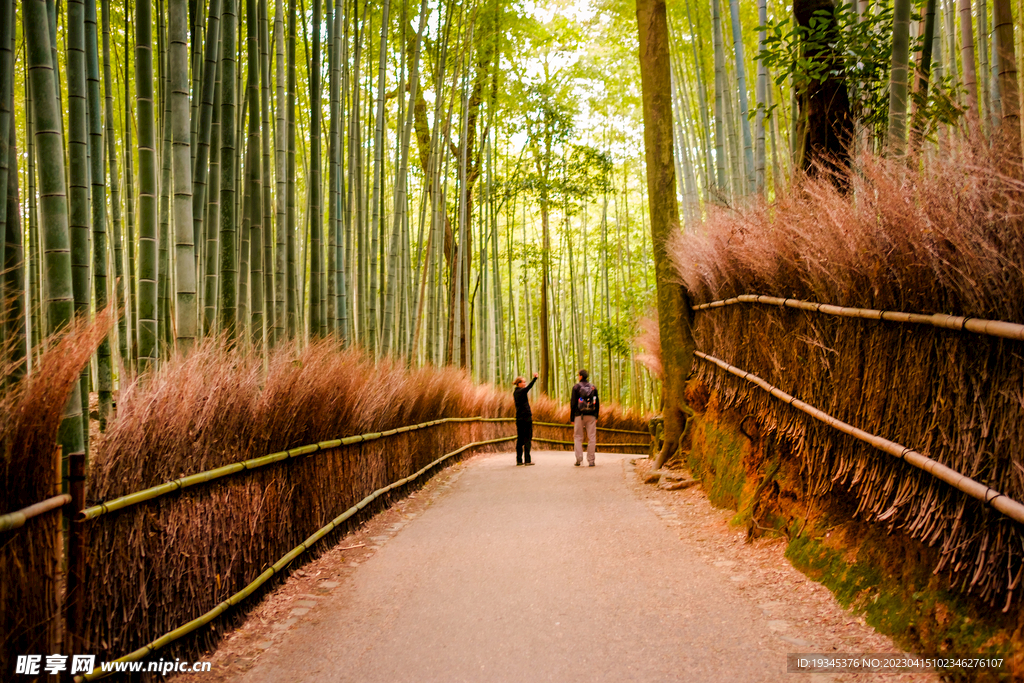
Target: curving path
544, 573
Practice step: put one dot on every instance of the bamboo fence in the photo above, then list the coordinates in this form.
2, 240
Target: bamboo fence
1011, 508
256, 519
210, 475
995, 328
284, 561
154, 545
953, 395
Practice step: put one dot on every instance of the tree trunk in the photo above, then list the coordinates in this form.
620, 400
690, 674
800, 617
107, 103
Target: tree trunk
897, 131
825, 106
201, 165
280, 179
674, 313
378, 180
78, 175
129, 206
1010, 124
924, 72
334, 265
254, 180
185, 311
762, 102
741, 80
401, 199
98, 203
967, 62
228, 130
115, 196
721, 193
211, 260
13, 329
291, 276
545, 271
53, 204
316, 324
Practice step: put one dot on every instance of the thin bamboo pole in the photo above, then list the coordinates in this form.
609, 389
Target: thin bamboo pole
1009, 507
17, 519
995, 328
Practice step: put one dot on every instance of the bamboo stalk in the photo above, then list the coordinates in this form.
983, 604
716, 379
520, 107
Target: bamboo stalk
17, 519
1009, 507
161, 490
995, 328
209, 616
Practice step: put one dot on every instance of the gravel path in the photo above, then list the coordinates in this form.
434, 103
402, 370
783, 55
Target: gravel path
546, 573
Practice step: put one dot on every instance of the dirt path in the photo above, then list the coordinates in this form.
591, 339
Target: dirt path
545, 573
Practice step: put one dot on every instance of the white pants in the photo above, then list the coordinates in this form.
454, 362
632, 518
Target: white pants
589, 423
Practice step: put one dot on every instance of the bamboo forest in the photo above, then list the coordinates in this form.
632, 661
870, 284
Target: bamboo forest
452, 183
324, 245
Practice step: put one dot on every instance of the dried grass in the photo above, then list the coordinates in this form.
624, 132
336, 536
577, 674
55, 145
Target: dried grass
946, 238
154, 567
649, 340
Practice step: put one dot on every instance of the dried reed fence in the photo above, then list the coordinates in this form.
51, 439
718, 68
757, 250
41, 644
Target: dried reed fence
945, 239
155, 566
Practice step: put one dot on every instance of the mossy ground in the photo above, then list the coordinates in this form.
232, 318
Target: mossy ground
886, 577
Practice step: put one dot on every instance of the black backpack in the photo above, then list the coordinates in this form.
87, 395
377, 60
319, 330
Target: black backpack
587, 402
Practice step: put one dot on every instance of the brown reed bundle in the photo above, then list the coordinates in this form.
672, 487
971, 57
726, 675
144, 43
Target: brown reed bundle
649, 340
155, 566
943, 238
31, 410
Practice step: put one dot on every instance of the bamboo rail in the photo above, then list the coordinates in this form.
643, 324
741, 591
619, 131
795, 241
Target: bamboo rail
16, 519
600, 429
598, 445
995, 328
1009, 507
241, 595
160, 490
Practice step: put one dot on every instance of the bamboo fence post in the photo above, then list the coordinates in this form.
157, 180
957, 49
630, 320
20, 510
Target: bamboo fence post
75, 572
56, 555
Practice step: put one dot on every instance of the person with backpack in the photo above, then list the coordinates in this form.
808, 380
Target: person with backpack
524, 419
584, 407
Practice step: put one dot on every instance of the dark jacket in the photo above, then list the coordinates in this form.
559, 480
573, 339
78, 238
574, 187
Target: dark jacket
575, 400
519, 395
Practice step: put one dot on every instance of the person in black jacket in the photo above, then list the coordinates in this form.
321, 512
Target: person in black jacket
584, 407
524, 419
